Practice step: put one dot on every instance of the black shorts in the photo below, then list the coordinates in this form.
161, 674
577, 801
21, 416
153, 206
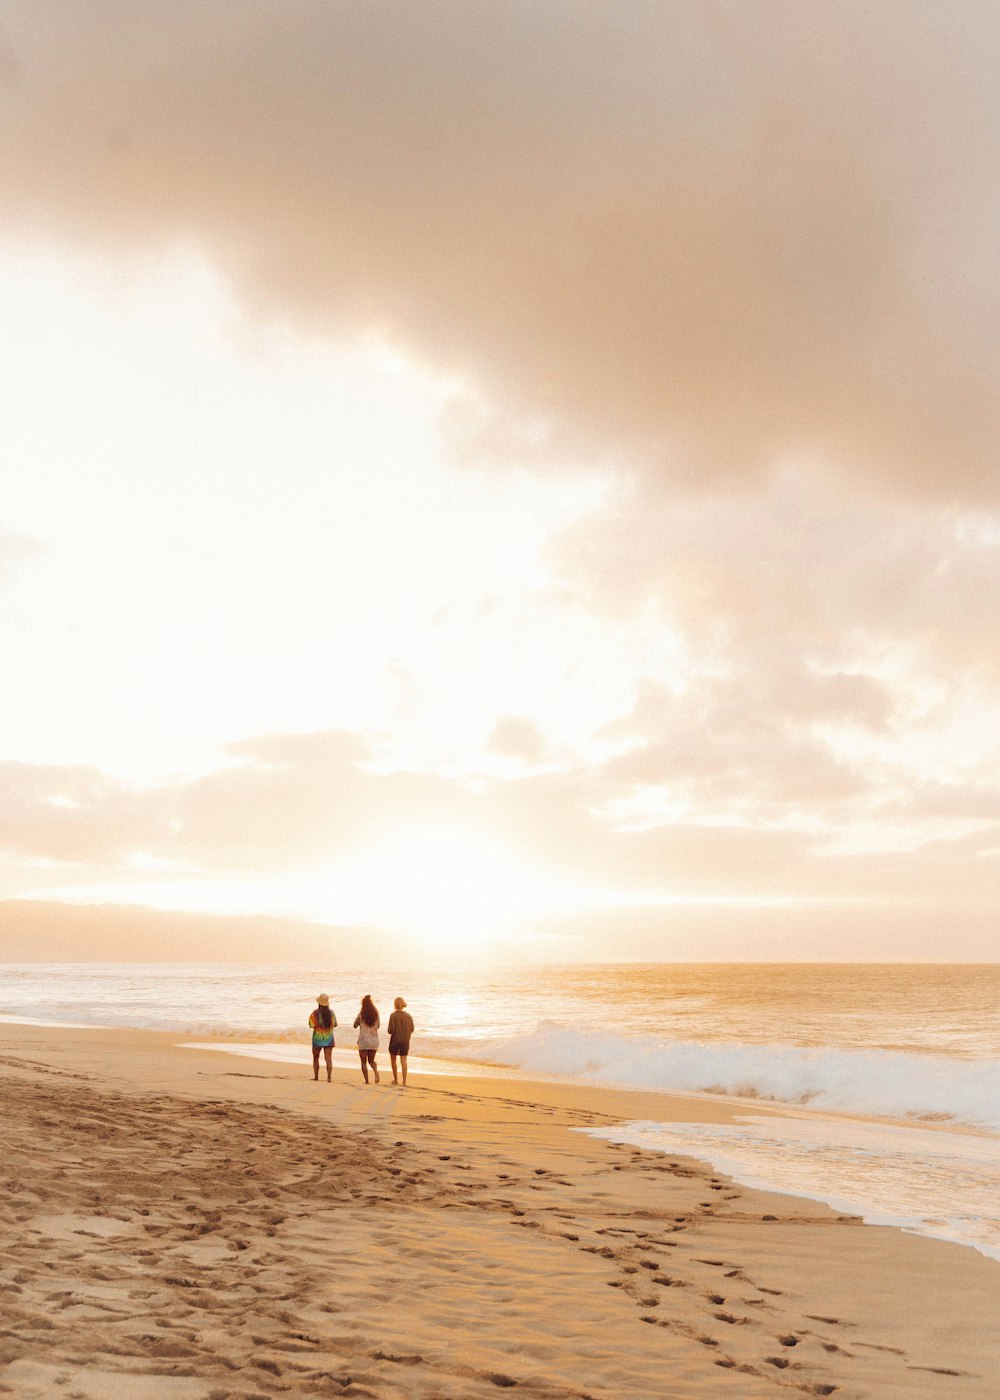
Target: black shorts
399, 1047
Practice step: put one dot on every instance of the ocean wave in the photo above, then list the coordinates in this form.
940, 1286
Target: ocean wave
882, 1083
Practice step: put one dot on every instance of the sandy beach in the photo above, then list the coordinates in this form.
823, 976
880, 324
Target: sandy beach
193, 1226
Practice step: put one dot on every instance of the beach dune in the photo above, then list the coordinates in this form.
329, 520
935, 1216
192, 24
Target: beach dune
178, 1225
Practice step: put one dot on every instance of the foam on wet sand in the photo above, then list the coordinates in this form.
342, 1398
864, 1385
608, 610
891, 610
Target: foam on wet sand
178, 1225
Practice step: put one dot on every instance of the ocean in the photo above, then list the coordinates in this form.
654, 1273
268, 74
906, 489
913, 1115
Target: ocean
837, 1045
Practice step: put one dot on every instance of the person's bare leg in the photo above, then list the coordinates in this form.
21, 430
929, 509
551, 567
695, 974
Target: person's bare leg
315, 1062
328, 1056
364, 1063
392, 1060
374, 1065
402, 1064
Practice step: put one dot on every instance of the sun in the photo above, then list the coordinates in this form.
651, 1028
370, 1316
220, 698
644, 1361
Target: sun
452, 889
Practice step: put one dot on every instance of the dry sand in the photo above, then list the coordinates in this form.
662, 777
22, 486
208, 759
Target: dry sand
186, 1225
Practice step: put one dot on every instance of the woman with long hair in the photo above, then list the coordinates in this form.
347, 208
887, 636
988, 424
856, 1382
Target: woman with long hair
367, 1023
321, 1023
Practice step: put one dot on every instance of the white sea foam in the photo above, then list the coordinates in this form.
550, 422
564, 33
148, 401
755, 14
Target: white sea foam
883, 1083
945, 1185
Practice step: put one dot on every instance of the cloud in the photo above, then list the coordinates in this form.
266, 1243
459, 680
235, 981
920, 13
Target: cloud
289, 805
515, 737
694, 237
795, 609
277, 803
972, 802
14, 551
837, 675
73, 814
798, 562
721, 756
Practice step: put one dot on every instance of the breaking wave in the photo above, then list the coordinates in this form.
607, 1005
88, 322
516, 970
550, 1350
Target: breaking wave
882, 1083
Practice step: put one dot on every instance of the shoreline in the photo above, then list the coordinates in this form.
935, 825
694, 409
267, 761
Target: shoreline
744, 1111
180, 1227
799, 1168
439, 1066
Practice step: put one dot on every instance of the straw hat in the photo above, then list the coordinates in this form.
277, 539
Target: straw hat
323, 999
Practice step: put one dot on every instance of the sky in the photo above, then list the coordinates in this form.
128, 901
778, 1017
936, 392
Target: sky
510, 478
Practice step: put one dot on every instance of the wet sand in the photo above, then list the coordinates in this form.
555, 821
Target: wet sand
182, 1224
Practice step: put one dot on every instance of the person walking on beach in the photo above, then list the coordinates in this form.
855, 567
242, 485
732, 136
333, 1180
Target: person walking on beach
367, 1023
321, 1023
400, 1030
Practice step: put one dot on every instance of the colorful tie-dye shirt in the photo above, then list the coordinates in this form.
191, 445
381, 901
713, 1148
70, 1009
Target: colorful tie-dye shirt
322, 1035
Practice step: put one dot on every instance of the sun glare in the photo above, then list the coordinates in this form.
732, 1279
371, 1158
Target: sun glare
451, 889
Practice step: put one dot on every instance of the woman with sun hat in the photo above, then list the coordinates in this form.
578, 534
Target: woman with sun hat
321, 1023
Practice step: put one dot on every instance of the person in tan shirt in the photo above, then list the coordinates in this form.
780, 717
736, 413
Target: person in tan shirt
400, 1029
